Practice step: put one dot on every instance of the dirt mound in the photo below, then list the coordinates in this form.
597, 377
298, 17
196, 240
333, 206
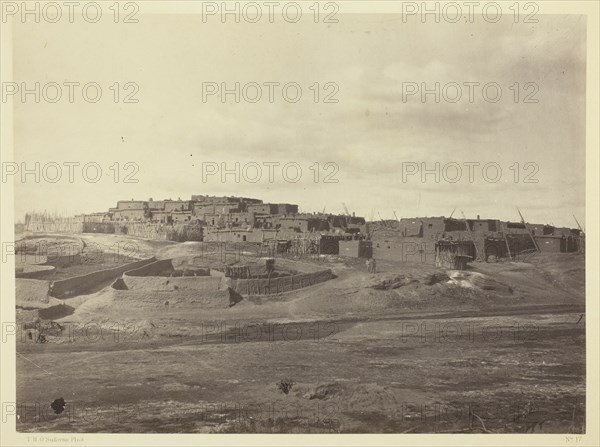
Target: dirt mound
24, 316
434, 278
55, 312
480, 281
565, 271
23, 259
410, 289
182, 263
390, 281
353, 396
32, 292
325, 392
182, 250
92, 306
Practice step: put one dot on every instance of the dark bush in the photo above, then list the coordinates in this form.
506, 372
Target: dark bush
285, 385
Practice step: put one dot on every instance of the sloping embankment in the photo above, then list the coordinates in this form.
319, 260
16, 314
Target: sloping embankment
78, 285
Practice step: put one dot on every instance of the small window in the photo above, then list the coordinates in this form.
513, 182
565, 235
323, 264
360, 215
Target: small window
244, 238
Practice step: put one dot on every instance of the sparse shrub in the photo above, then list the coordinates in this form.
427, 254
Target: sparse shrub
285, 385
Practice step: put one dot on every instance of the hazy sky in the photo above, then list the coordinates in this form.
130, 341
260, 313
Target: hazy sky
369, 133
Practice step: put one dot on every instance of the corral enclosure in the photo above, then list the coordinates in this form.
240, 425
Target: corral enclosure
173, 275
265, 277
173, 268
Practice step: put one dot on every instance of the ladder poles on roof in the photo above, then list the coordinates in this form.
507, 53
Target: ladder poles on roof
507, 246
581, 229
471, 235
522, 218
528, 231
579, 244
346, 209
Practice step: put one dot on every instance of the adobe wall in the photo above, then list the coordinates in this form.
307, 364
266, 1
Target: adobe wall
146, 278
80, 284
58, 226
32, 271
574, 243
356, 249
146, 230
408, 249
166, 284
236, 236
517, 243
151, 269
297, 266
432, 227
308, 274
181, 264
171, 299
279, 285
550, 244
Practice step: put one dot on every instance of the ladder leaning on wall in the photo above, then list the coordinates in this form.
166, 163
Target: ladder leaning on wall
477, 256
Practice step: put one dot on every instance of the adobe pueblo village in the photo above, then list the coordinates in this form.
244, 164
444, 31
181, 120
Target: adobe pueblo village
230, 315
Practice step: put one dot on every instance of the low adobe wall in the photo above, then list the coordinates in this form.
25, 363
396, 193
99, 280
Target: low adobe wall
141, 288
151, 269
81, 284
279, 285
143, 279
297, 266
171, 299
407, 249
356, 249
33, 271
551, 244
158, 268
165, 284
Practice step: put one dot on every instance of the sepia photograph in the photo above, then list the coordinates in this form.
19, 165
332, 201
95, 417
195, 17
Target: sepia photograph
344, 219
